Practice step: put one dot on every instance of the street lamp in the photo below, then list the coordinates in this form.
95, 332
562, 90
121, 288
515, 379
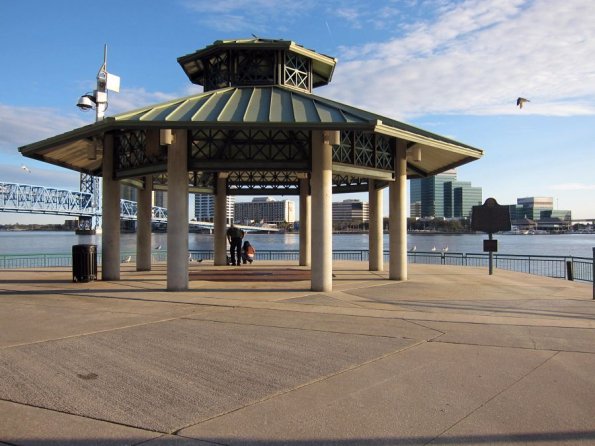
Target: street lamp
97, 100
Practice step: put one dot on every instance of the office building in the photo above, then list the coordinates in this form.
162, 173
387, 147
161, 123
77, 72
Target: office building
442, 196
128, 193
531, 207
351, 211
204, 207
160, 198
539, 209
464, 198
265, 210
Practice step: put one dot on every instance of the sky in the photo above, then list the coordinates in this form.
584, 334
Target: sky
453, 67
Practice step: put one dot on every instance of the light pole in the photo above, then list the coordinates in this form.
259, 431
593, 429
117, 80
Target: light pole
98, 101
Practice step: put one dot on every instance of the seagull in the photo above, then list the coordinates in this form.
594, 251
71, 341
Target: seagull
445, 249
25, 168
127, 259
158, 247
413, 249
520, 101
434, 248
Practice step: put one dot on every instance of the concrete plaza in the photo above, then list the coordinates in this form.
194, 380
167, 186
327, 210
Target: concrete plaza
250, 356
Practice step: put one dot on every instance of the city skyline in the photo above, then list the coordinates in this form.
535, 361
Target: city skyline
453, 67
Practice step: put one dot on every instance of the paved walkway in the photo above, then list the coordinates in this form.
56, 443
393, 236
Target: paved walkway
452, 356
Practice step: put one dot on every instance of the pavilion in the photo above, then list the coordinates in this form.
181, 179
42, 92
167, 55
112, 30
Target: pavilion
257, 129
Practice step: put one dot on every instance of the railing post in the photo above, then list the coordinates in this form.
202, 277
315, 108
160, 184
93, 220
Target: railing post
593, 276
569, 269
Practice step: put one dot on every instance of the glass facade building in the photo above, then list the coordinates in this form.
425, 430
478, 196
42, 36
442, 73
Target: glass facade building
442, 196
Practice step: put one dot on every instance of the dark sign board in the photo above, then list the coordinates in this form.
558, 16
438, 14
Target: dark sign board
490, 217
490, 246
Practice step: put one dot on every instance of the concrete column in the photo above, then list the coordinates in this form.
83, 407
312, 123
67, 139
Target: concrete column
144, 209
177, 213
375, 234
143, 225
110, 235
398, 216
220, 221
305, 221
322, 218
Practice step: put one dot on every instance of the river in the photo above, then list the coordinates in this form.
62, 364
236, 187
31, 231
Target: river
579, 245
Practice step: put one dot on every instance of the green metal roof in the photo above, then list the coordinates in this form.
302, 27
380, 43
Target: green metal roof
323, 66
254, 107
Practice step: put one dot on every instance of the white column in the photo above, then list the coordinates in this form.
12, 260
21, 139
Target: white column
143, 225
398, 216
305, 219
220, 220
322, 228
144, 209
177, 213
110, 235
375, 234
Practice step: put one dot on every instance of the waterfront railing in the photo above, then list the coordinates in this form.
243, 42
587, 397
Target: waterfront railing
563, 267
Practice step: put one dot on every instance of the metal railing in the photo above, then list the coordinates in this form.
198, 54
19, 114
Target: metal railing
541, 265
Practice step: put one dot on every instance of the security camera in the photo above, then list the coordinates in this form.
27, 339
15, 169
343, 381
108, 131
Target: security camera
86, 102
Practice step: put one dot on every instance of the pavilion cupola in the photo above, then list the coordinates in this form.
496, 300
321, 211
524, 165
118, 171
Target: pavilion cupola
257, 62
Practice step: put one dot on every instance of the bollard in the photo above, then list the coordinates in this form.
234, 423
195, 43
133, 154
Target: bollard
569, 270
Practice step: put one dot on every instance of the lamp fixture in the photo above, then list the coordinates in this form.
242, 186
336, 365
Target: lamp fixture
98, 99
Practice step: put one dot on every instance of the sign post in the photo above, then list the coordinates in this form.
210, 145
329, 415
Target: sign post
490, 217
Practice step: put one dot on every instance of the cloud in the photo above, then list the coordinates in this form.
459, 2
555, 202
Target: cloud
132, 98
253, 16
24, 125
573, 187
41, 174
477, 57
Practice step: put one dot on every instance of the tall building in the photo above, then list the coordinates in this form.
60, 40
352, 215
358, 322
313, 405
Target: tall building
464, 198
415, 198
442, 196
427, 194
537, 208
128, 193
160, 198
204, 207
532, 206
352, 211
265, 210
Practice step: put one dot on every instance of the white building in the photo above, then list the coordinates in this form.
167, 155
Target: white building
204, 207
351, 211
265, 210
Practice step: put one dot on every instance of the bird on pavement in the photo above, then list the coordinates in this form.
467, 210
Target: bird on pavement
127, 259
520, 101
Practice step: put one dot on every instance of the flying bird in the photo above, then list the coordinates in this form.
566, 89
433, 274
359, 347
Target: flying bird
25, 168
520, 101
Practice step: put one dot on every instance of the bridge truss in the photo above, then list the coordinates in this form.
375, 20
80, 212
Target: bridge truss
31, 199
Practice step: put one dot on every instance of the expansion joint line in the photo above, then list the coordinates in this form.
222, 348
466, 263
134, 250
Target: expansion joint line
538, 366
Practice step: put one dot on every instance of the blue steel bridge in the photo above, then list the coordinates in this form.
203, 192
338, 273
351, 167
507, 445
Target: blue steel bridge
27, 198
